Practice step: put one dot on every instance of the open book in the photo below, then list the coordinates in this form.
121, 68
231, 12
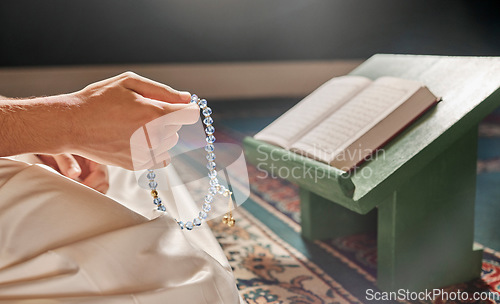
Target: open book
348, 118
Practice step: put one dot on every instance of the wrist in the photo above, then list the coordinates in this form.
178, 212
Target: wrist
60, 130
38, 125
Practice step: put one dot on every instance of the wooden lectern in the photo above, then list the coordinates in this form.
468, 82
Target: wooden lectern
419, 194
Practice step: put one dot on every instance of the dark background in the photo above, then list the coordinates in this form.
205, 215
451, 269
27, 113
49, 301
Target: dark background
67, 32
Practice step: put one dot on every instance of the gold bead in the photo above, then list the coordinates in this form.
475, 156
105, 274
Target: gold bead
228, 219
154, 193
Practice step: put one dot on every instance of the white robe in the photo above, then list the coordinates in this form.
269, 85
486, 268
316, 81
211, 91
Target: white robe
62, 242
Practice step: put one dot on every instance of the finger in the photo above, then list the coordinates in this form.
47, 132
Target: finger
68, 165
169, 142
152, 89
102, 188
175, 114
156, 152
48, 160
158, 136
98, 178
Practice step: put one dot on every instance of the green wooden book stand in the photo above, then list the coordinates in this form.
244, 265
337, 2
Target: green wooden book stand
420, 194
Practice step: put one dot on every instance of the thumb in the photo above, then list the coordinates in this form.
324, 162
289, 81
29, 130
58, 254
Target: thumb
68, 165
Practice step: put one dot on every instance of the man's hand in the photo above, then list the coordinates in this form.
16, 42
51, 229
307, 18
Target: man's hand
110, 111
98, 121
83, 170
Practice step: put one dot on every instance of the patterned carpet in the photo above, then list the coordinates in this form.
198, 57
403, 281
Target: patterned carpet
274, 264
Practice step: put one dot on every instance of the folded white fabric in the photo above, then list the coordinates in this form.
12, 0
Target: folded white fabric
61, 242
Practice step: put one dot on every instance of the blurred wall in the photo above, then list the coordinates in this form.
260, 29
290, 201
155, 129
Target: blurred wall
62, 32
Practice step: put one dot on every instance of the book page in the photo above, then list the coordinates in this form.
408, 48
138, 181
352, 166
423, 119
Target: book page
311, 110
366, 109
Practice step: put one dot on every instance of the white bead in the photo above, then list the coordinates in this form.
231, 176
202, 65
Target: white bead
202, 103
210, 156
207, 111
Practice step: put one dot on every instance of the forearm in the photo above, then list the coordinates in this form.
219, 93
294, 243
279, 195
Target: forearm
38, 125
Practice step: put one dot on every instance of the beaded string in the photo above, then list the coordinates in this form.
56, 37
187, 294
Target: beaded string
215, 187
